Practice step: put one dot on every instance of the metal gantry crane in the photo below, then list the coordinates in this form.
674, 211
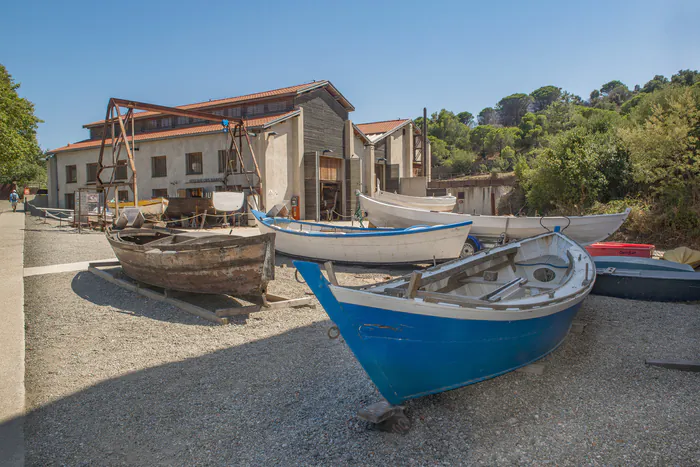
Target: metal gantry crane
119, 125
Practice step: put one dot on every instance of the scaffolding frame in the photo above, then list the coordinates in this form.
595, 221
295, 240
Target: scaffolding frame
119, 138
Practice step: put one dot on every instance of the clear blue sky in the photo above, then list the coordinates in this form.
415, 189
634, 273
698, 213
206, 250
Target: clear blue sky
389, 58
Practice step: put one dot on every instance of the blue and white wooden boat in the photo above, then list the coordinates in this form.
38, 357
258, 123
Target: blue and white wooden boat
355, 245
461, 322
646, 279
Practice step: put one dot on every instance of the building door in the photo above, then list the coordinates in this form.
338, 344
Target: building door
330, 189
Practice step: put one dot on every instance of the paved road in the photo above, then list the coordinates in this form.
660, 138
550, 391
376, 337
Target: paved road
11, 336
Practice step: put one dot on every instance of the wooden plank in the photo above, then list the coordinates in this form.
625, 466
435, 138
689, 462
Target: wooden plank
682, 365
98, 264
331, 273
237, 311
293, 302
413, 284
188, 307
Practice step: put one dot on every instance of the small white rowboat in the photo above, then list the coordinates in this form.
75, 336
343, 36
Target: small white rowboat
582, 229
354, 245
431, 203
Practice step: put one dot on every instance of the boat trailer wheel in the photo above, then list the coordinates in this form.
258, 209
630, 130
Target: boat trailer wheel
296, 276
333, 332
469, 248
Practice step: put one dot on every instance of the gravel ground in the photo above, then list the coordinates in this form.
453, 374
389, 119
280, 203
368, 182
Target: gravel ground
116, 379
48, 243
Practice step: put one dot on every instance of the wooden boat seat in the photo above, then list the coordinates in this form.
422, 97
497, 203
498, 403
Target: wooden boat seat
505, 290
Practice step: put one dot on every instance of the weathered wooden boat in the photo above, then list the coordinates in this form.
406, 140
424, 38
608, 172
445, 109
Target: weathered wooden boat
583, 229
461, 322
355, 245
178, 207
214, 264
431, 203
646, 279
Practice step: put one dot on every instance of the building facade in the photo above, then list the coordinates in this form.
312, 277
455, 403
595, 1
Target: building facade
304, 142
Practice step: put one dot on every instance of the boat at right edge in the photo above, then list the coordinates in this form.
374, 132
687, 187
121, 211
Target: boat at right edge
583, 229
461, 322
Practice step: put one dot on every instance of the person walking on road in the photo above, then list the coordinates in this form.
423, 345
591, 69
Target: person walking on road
14, 199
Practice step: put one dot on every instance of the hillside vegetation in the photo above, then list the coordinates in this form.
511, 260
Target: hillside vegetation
619, 148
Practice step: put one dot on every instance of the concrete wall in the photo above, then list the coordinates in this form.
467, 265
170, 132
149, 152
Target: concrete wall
413, 186
477, 199
279, 165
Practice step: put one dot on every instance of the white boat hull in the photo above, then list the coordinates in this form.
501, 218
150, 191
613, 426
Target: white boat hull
378, 247
582, 229
436, 203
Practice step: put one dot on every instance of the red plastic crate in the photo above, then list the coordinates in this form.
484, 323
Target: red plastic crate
639, 250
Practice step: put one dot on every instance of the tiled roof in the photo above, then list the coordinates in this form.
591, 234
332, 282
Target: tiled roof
374, 128
189, 131
291, 90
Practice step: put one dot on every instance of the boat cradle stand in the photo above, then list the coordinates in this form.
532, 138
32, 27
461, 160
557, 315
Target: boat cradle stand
219, 316
386, 417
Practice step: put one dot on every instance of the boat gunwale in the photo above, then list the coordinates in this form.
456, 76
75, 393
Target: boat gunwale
383, 232
234, 242
590, 216
447, 198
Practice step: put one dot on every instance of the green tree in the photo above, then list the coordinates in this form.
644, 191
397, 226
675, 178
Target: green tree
656, 83
488, 116
511, 109
481, 140
439, 150
545, 96
569, 175
461, 162
466, 118
532, 130
559, 117
446, 126
499, 138
610, 85
686, 77
20, 156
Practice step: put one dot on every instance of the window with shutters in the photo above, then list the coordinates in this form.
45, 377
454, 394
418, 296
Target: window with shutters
71, 174
159, 193
91, 171
193, 162
159, 166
